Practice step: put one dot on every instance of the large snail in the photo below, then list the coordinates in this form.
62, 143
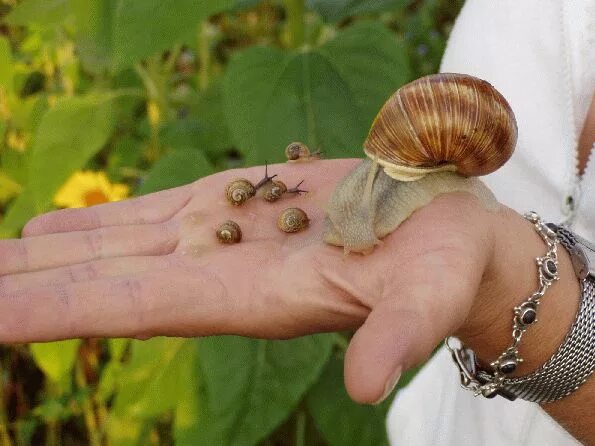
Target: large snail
432, 136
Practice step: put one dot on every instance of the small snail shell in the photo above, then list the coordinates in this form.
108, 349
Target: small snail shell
229, 232
274, 190
239, 191
445, 121
297, 151
293, 220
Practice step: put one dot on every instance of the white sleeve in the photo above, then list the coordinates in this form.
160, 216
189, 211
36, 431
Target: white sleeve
433, 410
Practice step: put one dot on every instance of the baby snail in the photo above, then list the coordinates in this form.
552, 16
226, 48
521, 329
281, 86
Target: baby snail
297, 151
275, 189
432, 136
293, 220
240, 190
229, 232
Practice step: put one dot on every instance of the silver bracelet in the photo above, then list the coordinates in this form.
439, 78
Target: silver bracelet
574, 361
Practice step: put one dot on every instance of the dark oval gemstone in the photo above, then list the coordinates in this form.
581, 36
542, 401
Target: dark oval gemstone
528, 316
491, 394
508, 367
549, 268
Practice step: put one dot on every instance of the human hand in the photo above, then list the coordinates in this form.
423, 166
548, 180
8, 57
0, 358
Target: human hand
152, 266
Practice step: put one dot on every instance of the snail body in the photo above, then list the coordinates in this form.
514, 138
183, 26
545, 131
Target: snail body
434, 135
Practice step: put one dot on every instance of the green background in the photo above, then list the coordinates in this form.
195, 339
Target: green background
233, 82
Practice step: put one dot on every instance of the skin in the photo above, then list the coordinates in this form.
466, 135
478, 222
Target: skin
152, 266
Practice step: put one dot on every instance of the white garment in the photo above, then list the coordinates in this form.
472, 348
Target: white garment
540, 54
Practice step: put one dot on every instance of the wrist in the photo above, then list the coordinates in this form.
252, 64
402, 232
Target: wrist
510, 277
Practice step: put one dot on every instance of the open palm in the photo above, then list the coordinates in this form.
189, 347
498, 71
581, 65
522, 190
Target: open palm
153, 266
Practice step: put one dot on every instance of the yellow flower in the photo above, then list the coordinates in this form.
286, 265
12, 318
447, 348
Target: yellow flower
87, 188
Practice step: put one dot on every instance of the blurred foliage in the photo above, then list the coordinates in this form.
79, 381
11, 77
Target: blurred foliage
157, 93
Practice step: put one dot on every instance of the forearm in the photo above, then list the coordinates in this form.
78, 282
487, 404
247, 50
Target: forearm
509, 280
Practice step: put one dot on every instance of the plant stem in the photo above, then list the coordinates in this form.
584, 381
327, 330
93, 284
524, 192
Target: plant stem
204, 55
53, 425
154, 82
88, 413
295, 10
300, 429
53, 433
4, 436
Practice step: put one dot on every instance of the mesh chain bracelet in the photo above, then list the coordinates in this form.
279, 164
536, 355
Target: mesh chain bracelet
574, 361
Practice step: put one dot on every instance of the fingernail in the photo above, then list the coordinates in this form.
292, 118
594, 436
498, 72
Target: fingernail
390, 385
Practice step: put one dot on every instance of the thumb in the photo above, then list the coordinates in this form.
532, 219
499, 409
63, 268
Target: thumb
403, 330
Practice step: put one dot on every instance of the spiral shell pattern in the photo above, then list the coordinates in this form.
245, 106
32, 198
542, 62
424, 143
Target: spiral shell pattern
293, 220
445, 121
274, 190
229, 232
239, 191
296, 150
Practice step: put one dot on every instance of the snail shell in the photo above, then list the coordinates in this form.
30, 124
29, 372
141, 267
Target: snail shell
297, 151
229, 232
441, 122
293, 220
432, 136
239, 191
274, 190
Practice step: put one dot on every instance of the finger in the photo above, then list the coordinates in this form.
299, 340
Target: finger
83, 272
54, 250
153, 208
427, 298
141, 305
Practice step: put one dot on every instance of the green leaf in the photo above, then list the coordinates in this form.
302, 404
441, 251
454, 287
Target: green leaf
150, 383
338, 418
24, 430
125, 432
40, 12
326, 97
117, 348
240, 5
111, 372
8, 187
56, 359
142, 28
15, 164
6, 66
186, 427
336, 10
181, 133
94, 33
68, 136
253, 385
108, 381
206, 127
124, 156
177, 168
20, 211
